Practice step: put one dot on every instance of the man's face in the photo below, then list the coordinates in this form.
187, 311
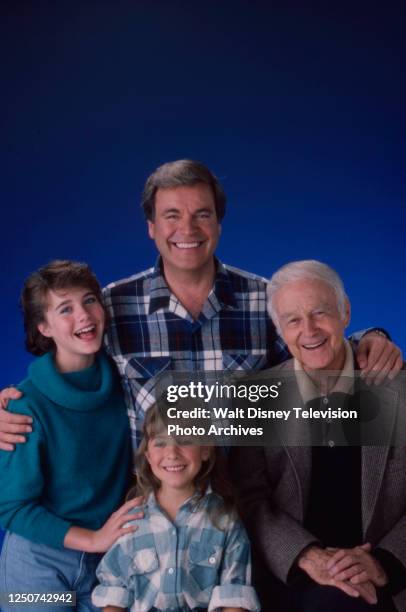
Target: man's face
185, 228
311, 324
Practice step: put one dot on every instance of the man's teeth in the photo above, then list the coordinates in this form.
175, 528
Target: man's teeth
174, 468
187, 245
315, 345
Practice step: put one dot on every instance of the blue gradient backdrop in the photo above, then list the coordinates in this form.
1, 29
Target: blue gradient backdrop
299, 108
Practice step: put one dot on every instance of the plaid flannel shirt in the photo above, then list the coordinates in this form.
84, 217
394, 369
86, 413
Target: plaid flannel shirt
151, 332
188, 564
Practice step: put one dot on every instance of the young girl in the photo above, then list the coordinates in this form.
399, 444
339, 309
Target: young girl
58, 490
190, 552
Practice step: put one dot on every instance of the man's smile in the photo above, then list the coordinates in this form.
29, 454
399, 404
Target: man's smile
315, 345
188, 245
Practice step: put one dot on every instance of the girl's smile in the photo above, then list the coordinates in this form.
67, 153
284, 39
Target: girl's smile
175, 463
74, 319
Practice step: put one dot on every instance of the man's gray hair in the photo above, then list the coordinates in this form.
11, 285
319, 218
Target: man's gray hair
306, 269
181, 173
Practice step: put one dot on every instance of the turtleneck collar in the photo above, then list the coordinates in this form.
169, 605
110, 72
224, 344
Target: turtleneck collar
83, 391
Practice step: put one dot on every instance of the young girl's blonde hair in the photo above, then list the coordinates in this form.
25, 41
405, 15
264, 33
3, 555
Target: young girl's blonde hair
213, 471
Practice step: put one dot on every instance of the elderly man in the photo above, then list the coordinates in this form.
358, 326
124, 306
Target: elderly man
328, 522
190, 312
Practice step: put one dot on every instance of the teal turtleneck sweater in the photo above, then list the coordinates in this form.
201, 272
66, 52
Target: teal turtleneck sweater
73, 469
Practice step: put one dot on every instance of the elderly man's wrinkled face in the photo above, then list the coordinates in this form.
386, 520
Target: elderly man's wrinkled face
311, 323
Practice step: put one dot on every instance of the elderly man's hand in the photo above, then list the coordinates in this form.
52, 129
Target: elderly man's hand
356, 565
314, 561
378, 358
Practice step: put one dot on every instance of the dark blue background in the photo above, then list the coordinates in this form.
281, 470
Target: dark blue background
299, 108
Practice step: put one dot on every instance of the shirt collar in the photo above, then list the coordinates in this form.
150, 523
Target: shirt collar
223, 289
344, 384
159, 291
192, 504
222, 294
69, 390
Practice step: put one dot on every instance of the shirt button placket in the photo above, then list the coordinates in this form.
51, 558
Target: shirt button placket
171, 571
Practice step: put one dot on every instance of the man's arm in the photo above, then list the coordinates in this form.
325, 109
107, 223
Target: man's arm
12, 426
377, 356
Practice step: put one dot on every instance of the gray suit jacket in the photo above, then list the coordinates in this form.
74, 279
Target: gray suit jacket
274, 488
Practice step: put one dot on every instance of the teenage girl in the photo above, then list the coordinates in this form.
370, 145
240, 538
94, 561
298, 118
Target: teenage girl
59, 490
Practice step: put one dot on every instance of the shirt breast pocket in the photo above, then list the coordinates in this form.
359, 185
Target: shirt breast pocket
204, 563
144, 368
243, 361
143, 380
145, 561
143, 572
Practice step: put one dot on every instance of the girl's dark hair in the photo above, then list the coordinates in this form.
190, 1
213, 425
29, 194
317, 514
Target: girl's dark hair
213, 471
58, 274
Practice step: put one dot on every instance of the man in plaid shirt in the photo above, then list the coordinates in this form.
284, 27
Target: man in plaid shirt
190, 312
151, 332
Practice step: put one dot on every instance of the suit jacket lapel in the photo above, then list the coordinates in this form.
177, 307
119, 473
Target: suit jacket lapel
301, 459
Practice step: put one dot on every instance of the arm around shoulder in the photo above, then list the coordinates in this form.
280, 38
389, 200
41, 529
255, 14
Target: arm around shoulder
12, 424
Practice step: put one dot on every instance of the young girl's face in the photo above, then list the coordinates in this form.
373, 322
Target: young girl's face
74, 319
175, 463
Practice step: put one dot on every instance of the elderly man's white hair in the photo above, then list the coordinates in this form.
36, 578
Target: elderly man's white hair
306, 269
